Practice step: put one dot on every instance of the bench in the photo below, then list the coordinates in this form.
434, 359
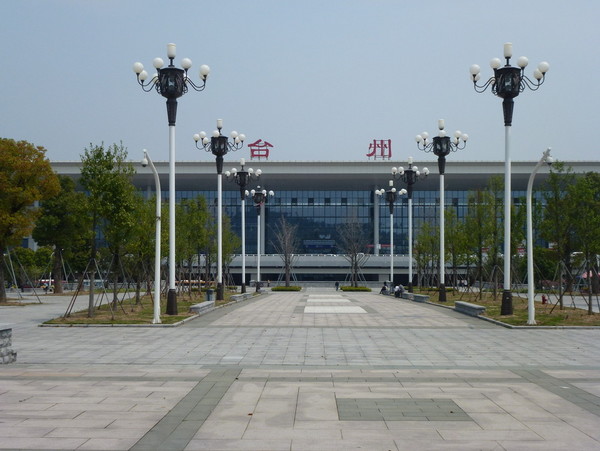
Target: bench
241, 297
7, 355
468, 308
202, 307
415, 297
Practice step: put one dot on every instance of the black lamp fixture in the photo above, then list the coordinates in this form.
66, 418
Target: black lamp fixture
242, 178
508, 82
259, 197
410, 176
391, 194
441, 146
219, 146
171, 82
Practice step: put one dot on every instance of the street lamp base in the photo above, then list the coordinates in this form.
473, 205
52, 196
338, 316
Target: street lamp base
220, 292
172, 302
442, 292
243, 288
507, 306
410, 287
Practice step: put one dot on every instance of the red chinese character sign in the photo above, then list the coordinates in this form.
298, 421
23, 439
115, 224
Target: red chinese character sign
380, 148
260, 149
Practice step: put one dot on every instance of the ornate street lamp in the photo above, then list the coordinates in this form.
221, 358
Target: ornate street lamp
259, 196
390, 196
441, 146
410, 176
242, 178
546, 158
219, 145
146, 160
508, 82
171, 82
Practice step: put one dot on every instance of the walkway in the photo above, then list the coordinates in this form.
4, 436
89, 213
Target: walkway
314, 370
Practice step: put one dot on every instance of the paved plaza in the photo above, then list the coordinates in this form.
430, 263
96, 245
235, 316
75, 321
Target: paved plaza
315, 370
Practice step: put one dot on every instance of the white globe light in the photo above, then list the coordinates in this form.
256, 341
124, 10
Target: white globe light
495, 63
544, 67
158, 63
186, 63
138, 67
522, 62
204, 71
474, 69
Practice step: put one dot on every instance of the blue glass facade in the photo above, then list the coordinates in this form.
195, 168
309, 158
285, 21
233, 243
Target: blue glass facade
319, 213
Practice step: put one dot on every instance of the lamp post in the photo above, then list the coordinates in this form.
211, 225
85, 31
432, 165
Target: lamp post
546, 158
508, 82
242, 178
441, 146
410, 176
146, 160
390, 196
219, 145
259, 196
171, 82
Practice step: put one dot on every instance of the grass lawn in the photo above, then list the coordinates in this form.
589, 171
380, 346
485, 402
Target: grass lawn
128, 312
545, 314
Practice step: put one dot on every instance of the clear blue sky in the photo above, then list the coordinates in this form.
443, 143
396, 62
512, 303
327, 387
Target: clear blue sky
317, 79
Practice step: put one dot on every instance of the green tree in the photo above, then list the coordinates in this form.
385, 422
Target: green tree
106, 176
456, 245
63, 225
26, 177
557, 226
192, 234
585, 197
426, 252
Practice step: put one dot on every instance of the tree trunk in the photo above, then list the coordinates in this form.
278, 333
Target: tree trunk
57, 271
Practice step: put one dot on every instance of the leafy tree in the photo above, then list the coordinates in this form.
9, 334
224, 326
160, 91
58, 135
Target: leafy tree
63, 224
456, 242
427, 252
231, 243
585, 197
478, 226
106, 176
26, 177
557, 226
192, 232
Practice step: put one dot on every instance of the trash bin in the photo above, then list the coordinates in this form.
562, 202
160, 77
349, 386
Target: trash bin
210, 295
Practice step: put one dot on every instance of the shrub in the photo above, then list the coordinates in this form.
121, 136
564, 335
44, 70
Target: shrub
290, 288
355, 289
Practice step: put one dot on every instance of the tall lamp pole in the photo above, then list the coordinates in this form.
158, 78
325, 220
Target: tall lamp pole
441, 146
171, 82
147, 161
242, 178
508, 82
546, 158
219, 145
410, 176
390, 196
259, 196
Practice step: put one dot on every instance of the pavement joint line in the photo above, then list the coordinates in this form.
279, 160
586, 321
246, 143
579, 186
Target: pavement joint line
562, 388
178, 427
